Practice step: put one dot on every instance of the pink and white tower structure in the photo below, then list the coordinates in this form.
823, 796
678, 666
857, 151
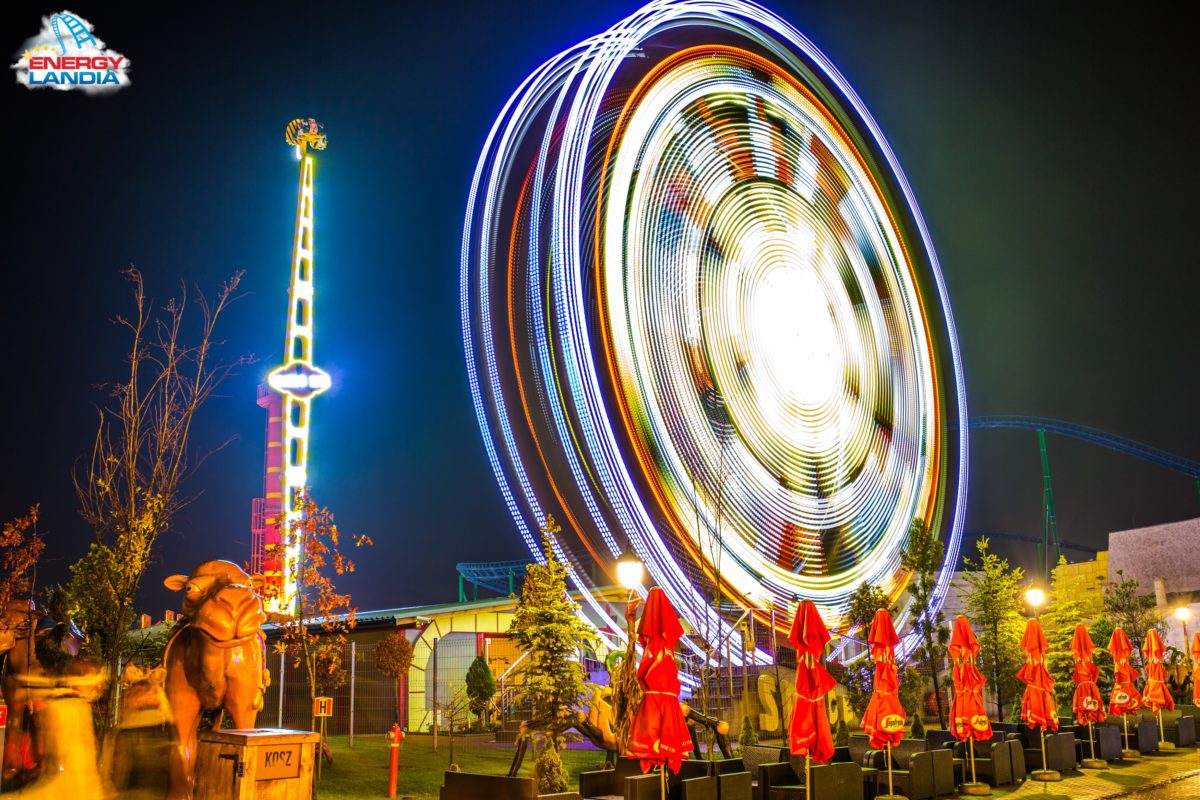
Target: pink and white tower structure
287, 397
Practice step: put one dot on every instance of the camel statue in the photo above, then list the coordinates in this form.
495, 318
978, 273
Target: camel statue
214, 661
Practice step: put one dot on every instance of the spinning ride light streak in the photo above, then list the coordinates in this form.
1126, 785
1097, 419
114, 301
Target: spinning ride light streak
293, 386
703, 318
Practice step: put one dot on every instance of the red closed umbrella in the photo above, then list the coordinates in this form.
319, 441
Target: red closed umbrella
968, 717
809, 734
1125, 698
1196, 668
658, 735
884, 718
1155, 695
1087, 704
1038, 707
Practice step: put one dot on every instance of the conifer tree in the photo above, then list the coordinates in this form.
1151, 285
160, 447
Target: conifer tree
548, 626
864, 602
747, 735
841, 733
993, 606
1101, 631
1063, 612
923, 557
858, 677
481, 686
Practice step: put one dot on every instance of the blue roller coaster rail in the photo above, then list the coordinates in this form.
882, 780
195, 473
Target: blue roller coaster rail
76, 28
1020, 537
1130, 447
498, 576
1084, 433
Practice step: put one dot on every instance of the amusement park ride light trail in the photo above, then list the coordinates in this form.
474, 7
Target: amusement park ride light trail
704, 321
275, 553
500, 576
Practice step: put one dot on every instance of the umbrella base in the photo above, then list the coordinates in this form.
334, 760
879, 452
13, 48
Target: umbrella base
1166, 745
1046, 775
1130, 754
890, 797
975, 789
1094, 763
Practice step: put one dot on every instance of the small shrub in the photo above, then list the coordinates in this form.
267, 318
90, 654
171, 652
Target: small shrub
918, 727
548, 769
841, 733
747, 736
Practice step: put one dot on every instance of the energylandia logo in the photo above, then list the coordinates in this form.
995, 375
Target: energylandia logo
66, 55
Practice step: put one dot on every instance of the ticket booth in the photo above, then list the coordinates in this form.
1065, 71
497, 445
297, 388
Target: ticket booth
258, 764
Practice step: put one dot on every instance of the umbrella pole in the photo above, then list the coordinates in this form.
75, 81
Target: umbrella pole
1163, 744
1128, 752
1093, 762
807, 776
974, 788
1045, 773
891, 793
662, 775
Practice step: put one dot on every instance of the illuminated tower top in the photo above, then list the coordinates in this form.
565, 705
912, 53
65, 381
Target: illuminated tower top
293, 385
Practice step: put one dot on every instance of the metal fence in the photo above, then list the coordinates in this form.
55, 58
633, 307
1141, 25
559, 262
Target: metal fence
367, 703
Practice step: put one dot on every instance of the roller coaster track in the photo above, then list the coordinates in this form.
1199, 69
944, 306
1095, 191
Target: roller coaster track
1018, 537
499, 576
1050, 547
1084, 433
74, 27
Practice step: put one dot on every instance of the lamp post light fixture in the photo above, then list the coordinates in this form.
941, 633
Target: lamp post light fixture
630, 570
1035, 597
1183, 613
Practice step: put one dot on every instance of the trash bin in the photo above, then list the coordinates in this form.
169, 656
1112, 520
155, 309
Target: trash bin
255, 764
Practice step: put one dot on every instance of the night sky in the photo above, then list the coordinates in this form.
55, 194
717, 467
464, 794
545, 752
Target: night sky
1050, 147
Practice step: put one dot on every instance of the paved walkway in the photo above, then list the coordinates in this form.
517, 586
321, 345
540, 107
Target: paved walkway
1186, 789
1167, 775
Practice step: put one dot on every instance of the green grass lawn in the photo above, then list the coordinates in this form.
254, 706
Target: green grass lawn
363, 770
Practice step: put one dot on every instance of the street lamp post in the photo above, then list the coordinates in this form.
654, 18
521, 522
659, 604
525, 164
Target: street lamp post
630, 571
1182, 614
1035, 597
